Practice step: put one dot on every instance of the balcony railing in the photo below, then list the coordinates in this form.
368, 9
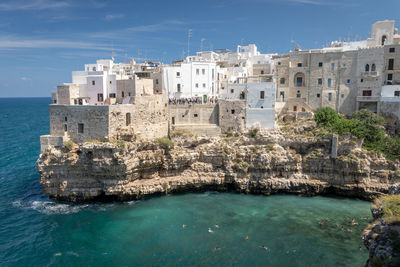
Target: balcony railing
367, 98
370, 73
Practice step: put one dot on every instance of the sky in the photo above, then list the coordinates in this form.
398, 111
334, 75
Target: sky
42, 41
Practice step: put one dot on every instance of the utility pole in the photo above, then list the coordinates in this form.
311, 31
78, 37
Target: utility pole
201, 44
189, 36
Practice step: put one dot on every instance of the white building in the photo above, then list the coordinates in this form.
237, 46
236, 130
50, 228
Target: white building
190, 79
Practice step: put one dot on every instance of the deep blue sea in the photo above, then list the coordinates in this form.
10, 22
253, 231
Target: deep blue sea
35, 231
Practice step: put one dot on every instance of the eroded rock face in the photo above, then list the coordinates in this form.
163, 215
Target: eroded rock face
272, 162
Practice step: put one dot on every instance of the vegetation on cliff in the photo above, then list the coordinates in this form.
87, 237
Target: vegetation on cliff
363, 124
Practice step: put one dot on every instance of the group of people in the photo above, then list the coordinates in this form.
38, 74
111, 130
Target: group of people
192, 100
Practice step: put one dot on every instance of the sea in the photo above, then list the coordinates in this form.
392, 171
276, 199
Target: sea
194, 229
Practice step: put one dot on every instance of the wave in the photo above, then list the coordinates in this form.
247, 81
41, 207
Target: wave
49, 207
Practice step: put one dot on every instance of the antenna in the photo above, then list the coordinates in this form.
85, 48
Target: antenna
201, 44
189, 36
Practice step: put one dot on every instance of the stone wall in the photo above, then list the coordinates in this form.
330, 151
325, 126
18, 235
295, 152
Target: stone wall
187, 114
148, 118
232, 115
64, 121
67, 93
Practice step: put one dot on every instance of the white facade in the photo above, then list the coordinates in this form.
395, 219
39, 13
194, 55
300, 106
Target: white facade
190, 79
260, 104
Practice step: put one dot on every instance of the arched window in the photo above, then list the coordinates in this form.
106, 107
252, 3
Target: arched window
373, 68
367, 67
383, 39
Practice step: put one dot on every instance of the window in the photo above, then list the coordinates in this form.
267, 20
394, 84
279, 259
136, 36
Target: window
178, 87
367, 93
391, 63
318, 95
129, 93
122, 94
203, 71
80, 127
195, 115
173, 120
262, 72
75, 101
362, 80
367, 67
197, 85
110, 82
262, 94
329, 82
100, 97
329, 96
212, 74
342, 95
112, 95
204, 85
197, 71
65, 128
279, 63
383, 40
232, 111
320, 81
298, 95
93, 82
282, 81
178, 74
397, 93
299, 81
294, 108
332, 66
299, 64
232, 90
320, 64
373, 67
348, 81
156, 81
391, 50
65, 119
390, 78
128, 119
94, 69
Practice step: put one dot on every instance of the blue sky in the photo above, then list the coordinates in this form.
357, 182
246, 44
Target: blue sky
42, 41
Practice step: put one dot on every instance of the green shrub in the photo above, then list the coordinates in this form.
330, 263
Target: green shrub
254, 132
165, 141
326, 116
121, 144
269, 147
69, 144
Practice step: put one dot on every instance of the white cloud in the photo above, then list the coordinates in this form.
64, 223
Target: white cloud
32, 5
25, 79
114, 16
11, 43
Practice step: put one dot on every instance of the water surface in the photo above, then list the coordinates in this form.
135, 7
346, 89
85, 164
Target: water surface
35, 231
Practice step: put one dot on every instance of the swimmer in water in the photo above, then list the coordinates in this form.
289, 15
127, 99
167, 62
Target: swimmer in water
216, 226
264, 247
183, 225
217, 248
210, 230
360, 248
246, 237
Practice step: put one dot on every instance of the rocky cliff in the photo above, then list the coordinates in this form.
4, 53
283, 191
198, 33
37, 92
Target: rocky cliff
293, 159
382, 236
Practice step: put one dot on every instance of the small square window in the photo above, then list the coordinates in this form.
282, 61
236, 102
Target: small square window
93, 82
232, 91
65, 119
197, 71
329, 96
110, 82
232, 111
362, 80
195, 115
65, 128
197, 85
262, 94
80, 127
396, 93
342, 95
391, 50
318, 95
279, 63
348, 81
178, 74
203, 71
320, 64
320, 81
204, 85
299, 64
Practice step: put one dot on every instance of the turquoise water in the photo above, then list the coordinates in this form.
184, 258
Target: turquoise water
35, 231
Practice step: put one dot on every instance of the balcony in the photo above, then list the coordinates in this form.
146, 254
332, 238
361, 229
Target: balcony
368, 98
392, 82
370, 74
